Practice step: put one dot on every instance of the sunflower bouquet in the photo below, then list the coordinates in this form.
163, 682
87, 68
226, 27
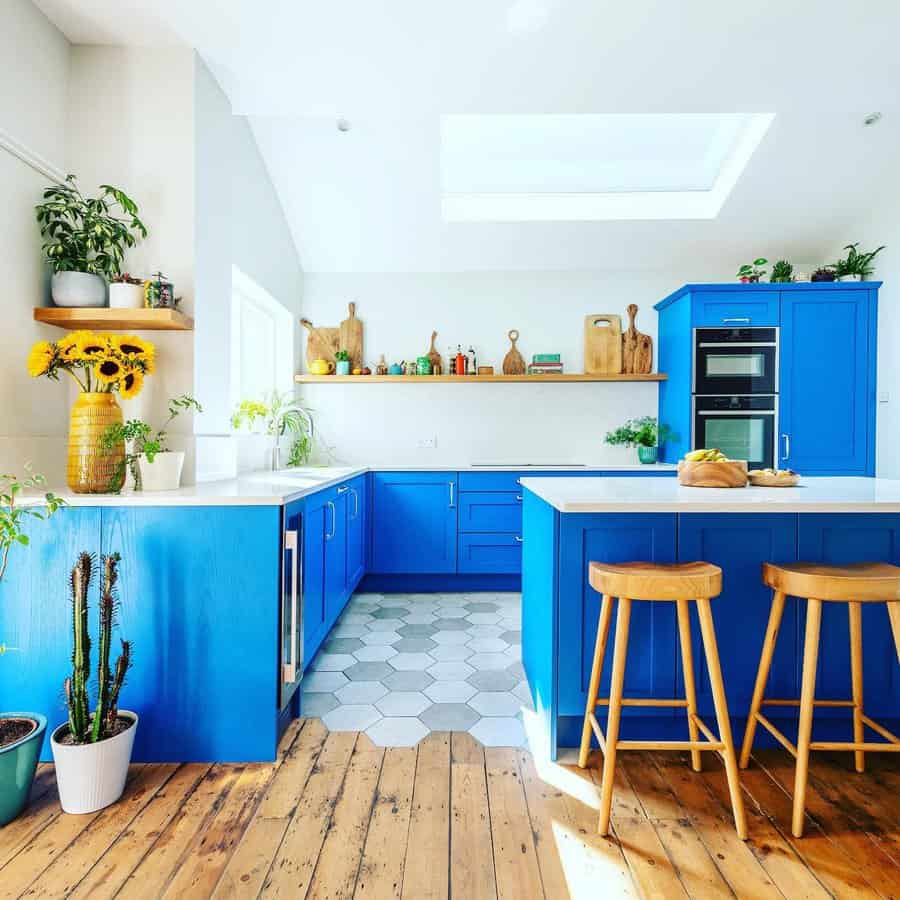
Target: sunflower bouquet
98, 363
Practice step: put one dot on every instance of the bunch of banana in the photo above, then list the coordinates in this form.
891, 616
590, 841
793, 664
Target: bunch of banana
706, 456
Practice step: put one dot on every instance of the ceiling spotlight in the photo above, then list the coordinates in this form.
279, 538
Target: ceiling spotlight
872, 118
344, 125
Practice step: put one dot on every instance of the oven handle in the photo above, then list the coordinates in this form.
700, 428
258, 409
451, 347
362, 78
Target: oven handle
787, 446
705, 344
289, 669
736, 412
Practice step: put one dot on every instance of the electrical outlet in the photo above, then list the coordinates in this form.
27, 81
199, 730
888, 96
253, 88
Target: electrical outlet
884, 397
427, 443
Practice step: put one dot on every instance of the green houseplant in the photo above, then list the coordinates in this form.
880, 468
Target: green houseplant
85, 239
782, 272
750, 273
279, 414
90, 776
856, 266
342, 362
21, 733
644, 433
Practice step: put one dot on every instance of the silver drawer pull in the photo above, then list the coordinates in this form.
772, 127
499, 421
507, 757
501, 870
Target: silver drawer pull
343, 490
745, 319
518, 539
519, 497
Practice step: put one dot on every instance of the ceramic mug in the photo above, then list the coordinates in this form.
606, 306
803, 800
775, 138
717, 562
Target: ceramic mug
321, 367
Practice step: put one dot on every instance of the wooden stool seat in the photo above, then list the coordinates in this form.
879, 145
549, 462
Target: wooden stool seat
681, 583
854, 584
656, 581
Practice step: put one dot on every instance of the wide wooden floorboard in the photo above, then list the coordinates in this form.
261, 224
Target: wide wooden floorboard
337, 817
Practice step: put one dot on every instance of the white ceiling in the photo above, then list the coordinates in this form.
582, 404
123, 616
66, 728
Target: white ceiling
369, 199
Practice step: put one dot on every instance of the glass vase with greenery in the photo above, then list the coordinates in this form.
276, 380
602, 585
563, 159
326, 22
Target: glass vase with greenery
279, 414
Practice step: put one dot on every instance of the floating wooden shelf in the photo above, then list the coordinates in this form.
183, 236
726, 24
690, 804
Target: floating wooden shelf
459, 379
107, 319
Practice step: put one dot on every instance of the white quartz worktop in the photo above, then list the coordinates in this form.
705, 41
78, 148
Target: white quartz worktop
639, 495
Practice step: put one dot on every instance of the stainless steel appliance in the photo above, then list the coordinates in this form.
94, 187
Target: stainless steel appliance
290, 667
742, 427
735, 361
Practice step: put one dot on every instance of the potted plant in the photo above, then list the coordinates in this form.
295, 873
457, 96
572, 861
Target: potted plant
644, 433
126, 292
782, 272
342, 362
279, 414
21, 733
856, 266
101, 365
152, 465
85, 239
751, 273
824, 273
92, 751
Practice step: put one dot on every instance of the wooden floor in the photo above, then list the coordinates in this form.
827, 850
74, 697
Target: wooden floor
337, 817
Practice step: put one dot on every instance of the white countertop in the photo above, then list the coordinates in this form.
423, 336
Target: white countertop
637, 495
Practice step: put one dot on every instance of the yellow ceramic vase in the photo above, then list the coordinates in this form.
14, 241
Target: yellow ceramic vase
92, 470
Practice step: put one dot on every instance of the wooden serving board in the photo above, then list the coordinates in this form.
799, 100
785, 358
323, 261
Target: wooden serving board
513, 363
637, 348
434, 355
322, 343
351, 338
603, 344
729, 474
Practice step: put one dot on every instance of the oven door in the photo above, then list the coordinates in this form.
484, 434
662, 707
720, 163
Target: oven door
739, 434
291, 654
725, 368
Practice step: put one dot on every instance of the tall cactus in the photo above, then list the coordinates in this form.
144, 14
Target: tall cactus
83, 726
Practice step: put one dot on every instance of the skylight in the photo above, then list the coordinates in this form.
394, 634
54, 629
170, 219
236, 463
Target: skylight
593, 167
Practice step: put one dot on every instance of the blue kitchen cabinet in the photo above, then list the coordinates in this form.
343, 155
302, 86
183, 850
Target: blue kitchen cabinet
414, 522
827, 381
495, 511
316, 526
357, 536
492, 553
730, 309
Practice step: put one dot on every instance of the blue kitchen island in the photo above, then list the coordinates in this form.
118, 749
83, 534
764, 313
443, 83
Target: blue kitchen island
569, 522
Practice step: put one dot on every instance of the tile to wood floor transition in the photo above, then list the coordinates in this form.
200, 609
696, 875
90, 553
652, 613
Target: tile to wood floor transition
338, 816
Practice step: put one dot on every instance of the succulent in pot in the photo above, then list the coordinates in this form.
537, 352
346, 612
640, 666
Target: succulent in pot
342, 362
782, 272
92, 751
644, 433
126, 292
856, 266
824, 273
750, 273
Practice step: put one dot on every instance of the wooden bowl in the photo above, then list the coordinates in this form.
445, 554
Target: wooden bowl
730, 474
764, 479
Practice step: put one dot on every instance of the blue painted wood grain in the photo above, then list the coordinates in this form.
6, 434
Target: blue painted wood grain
490, 511
493, 553
718, 309
675, 349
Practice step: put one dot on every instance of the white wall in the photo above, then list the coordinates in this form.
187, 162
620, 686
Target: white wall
472, 422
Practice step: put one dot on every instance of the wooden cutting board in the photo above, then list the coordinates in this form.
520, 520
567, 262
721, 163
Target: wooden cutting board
729, 474
322, 343
513, 363
351, 338
602, 344
637, 348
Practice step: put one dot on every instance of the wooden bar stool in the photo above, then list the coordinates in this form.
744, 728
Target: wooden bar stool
682, 583
854, 585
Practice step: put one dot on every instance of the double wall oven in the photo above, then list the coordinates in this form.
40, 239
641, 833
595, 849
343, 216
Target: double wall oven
735, 393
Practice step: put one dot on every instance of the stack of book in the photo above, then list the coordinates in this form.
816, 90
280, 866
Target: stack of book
546, 364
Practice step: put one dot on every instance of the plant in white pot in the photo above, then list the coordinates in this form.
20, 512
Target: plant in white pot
856, 266
92, 751
85, 239
152, 465
126, 292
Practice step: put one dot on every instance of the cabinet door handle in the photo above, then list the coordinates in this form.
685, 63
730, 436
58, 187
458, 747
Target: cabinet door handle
787, 446
355, 502
518, 481
744, 320
333, 531
289, 668
343, 489
452, 494
519, 497
518, 539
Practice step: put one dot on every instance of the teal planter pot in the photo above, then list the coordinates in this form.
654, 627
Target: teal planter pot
648, 454
18, 762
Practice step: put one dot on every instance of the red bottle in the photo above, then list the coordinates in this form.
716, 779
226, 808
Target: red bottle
460, 362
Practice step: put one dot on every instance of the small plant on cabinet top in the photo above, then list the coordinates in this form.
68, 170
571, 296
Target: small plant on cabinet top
84, 727
642, 432
750, 274
782, 272
824, 273
856, 265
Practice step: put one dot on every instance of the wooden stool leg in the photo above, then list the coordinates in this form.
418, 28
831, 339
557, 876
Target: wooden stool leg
854, 610
893, 608
596, 671
807, 698
620, 650
690, 692
711, 649
762, 674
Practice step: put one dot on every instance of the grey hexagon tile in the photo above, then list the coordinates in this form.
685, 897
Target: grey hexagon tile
351, 718
366, 606
375, 653
385, 624
397, 732
403, 703
495, 703
415, 645
444, 652
407, 681
313, 682
499, 732
332, 662
449, 717
368, 671
514, 636
450, 691
343, 645
488, 645
453, 612
482, 607
390, 612
450, 671
516, 669
316, 705
361, 692
489, 661
451, 637
493, 680
374, 598
353, 618
420, 618
485, 631
510, 622
447, 625
411, 662
488, 618
416, 630
349, 631
523, 692
380, 637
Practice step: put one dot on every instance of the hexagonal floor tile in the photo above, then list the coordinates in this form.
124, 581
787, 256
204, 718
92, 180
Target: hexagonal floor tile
415, 645
352, 618
397, 732
368, 671
482, 607
390, 612
444, 652
416, 630
485, 631
361, 692
380, 637
499, 732
349, 631
411, 662
450, 691
523, 692
332, 662
450, 671
385, 625
514, 636
314, 706
403, 703
408, 681
420, 618
451, 637
494, 703
516, 669
375, 653
448, 625
453, 612
488, 645
449, 717
351, 718
323, 681
488, 618
493, 680
492, 661
342, 645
